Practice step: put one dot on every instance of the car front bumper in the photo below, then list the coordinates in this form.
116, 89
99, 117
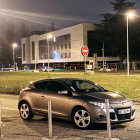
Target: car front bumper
99, 116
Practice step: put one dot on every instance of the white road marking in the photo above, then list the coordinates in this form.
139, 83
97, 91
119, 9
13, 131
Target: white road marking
10, 108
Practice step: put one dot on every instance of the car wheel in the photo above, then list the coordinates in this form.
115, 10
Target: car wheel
25, 111
81, 118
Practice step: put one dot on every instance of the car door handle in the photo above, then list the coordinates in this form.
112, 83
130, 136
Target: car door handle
43, 97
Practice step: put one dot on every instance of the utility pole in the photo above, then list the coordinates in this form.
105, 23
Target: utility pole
35, 57
103, 54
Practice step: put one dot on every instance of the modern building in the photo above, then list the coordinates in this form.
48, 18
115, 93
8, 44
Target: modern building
0, 53
63, 50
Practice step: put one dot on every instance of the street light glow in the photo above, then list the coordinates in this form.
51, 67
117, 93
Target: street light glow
130, 14
49, 36
14, 45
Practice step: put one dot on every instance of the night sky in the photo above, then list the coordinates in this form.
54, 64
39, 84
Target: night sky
63, 13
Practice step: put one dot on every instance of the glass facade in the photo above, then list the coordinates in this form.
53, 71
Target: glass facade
43, 52
33, 50
58, 48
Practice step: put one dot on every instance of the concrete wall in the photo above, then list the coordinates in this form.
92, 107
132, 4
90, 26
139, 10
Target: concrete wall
34, 38
26, 41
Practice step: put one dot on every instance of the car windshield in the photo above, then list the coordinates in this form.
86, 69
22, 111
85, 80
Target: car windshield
83, 86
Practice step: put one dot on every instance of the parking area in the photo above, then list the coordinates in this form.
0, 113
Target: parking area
14, 128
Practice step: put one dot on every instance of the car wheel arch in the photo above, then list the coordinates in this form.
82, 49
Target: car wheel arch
76, 108
22, 102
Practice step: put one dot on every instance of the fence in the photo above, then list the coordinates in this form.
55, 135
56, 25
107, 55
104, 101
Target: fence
121, 66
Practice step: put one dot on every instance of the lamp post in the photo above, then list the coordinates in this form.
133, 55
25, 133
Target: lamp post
129, 15
103, 56
14, 46
35, 70
49, 36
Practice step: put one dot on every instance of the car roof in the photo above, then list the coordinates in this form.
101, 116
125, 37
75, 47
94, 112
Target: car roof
55, 79
32, 83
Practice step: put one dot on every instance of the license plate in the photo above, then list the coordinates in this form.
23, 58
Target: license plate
124, 111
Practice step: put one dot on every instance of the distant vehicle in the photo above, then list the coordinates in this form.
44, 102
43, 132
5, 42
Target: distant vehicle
7, 69
89, 67
29, 70
81, 101
45, 69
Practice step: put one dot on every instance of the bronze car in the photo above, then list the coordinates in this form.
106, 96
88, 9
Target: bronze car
81, 101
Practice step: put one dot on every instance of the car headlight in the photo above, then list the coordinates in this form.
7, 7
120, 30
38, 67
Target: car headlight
101, 105
133, 107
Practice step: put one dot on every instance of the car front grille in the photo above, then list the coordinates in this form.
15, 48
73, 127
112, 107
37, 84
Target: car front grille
123, 116
112, 116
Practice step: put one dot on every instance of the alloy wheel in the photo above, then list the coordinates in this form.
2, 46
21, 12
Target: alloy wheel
82, 118
24, 111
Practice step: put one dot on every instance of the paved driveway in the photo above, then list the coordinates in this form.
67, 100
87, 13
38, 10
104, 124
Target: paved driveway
14, 128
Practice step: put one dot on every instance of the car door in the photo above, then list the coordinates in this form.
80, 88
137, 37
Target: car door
56, 93
39, 98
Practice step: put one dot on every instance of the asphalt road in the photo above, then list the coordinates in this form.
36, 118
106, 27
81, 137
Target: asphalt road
14, 128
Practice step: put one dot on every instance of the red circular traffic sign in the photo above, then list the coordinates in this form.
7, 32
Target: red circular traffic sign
85, 51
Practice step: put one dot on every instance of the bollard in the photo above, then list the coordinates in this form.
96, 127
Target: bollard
108, 119
0, 118
50, 119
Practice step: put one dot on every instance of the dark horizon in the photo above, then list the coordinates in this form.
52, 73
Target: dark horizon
40, 13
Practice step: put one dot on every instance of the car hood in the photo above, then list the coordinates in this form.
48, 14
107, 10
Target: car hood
112, 96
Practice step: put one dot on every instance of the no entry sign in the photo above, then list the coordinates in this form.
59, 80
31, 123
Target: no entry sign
85, 51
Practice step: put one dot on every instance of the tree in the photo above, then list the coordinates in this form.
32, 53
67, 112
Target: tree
112, 31
6, 44
121, 6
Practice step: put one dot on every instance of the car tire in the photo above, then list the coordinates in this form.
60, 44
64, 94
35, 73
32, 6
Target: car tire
25, 111
81, 118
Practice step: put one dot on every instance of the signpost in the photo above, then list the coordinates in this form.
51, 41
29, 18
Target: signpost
85, 52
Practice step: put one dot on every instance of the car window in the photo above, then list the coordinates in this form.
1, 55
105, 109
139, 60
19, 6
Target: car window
54, 86
40, 85
84, 86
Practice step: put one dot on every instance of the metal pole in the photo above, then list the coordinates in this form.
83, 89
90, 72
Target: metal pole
108, 119
48, 57
14, 57
50, 119
103, 55
85, 66
35, 55
127, 49
0, 118
43, 59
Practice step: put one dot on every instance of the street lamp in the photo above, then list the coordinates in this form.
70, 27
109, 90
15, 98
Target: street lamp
103, 55
49, 36
129, 15
14, 46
